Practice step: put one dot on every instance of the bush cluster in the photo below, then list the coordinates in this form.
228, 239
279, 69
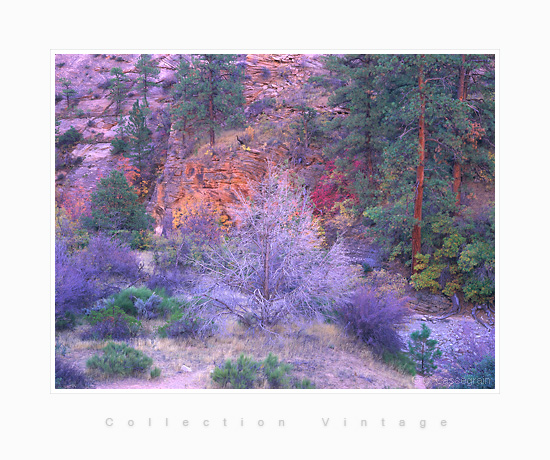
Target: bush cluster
87, 275
144, 302
68, 376
474, 374
186, 323
120, 359
246, 373
111, 323
375, 318
69, 138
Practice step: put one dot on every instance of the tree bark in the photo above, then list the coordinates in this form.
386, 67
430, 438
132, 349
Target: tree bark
211, 110
457, 167
416, 233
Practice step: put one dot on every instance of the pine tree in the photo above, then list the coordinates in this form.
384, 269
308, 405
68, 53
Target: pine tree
67, 90
183, 109
115, 207
359, 136
423, 350
118, 89
218, 92
119, 143
147, 72
139, 137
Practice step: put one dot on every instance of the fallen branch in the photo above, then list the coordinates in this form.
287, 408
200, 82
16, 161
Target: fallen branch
474, 314
455, 309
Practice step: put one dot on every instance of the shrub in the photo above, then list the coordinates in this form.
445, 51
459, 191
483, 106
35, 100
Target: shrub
183, 324
119, 146
155, 373
367, 268
108, 258
125, 299
261, 105
304, 384
276, 373
474, 375
111, 323
120, 359
69, 138
68, 376
246, 373
149, 308
423, 350
86, 275
65, 322
375, 317
74, 288
400, 361
144, 302
239, 375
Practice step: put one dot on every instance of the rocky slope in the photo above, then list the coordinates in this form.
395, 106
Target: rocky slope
183, 175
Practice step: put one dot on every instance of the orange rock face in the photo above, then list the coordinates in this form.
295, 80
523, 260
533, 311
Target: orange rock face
216, 176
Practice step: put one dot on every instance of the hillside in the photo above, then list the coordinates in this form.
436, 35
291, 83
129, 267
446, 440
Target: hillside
347, 132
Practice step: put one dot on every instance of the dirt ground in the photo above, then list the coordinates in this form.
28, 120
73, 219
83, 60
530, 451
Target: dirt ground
321, 352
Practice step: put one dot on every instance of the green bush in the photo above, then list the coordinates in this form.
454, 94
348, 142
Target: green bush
479, 375
120, 359
69, 138
246, 373
155, 373
127, 299
240, 375
111, 323
276, 373
119, 146
400, 361
423, 350
304, 384
66, 322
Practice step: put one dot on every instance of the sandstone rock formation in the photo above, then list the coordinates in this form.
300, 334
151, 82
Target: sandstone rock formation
213, 176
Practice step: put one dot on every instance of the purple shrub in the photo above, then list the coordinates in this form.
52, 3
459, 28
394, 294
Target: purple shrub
111, 328
68, 376
375, 316
108, 258
90, 274
74, 289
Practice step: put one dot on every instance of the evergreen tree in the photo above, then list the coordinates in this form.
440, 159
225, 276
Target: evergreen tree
183, 109
67, 90
423, 350
218, 92
139, 137
115, 207
119, 143
118, 89
147, 73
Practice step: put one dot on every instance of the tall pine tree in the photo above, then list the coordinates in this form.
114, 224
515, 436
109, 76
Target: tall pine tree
118, 89
139, 137
218, 92
147, 73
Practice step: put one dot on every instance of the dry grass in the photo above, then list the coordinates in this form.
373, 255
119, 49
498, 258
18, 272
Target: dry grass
318, 351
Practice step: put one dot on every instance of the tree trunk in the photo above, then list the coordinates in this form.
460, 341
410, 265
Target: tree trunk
457, 167
416, 233
211, 111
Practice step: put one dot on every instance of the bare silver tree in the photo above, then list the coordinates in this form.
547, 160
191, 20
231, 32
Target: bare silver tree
276, 259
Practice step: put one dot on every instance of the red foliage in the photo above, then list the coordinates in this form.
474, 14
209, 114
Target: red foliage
130, 171
334, 187
75, 202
